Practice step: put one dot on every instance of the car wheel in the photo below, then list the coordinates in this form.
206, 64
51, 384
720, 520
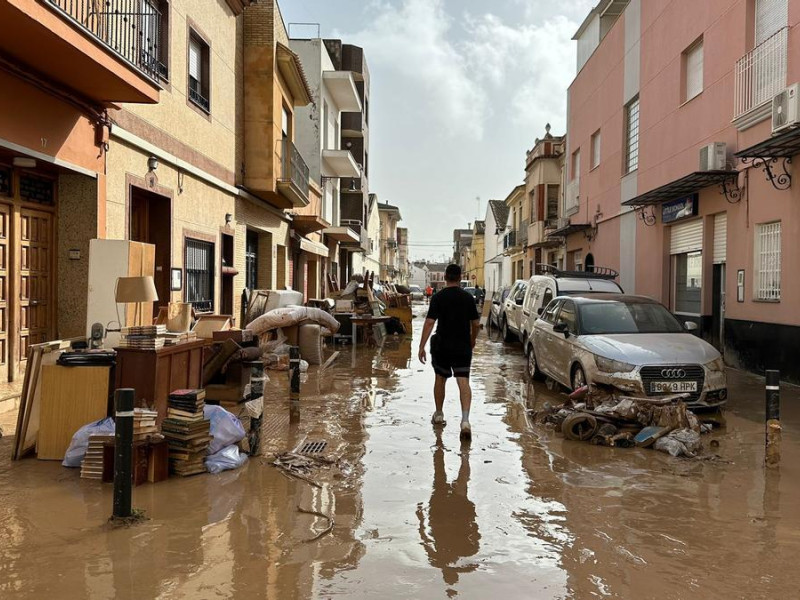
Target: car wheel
533, 366
578, 377
506, 332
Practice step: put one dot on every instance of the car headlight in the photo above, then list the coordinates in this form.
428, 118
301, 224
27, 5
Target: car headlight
609, 365
716, 365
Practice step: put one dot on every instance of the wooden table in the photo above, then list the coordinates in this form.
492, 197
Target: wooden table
368, 322
154, 374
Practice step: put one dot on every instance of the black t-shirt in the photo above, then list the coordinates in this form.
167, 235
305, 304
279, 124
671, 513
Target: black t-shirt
453, 309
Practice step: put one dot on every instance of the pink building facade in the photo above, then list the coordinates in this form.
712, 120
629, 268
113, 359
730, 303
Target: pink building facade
671, 123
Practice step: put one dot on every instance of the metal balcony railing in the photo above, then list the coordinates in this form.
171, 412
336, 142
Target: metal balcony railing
293, 168
522, 233
551, 223
509, 240
131, 28
761, 73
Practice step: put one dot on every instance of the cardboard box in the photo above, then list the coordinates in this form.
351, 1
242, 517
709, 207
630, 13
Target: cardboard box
206, 325
239, 336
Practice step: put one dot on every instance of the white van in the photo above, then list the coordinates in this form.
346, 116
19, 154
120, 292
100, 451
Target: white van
554, 282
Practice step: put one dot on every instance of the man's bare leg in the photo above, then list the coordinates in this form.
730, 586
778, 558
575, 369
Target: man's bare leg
465, 393
438, 398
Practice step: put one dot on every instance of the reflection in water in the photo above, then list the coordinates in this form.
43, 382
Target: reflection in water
451, 532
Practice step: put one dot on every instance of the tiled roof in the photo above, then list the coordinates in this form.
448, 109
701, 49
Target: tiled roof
500, 212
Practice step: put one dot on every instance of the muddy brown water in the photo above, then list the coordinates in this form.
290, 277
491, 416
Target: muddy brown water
518, 513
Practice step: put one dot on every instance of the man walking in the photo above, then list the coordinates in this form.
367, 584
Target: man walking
451, 347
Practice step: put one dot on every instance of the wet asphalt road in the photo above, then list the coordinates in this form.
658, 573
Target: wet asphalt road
518, 513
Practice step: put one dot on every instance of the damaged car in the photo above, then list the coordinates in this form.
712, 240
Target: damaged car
632, 343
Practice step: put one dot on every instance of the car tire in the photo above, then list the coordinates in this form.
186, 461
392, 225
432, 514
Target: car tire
507, 337
578, 378
533, 366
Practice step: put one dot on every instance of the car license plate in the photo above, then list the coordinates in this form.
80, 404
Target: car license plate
673, 387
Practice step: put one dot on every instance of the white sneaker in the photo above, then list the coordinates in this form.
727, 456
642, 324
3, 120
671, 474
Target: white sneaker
438, 419
466, 430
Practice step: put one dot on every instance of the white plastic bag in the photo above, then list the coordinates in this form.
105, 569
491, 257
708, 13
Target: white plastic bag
226, 429
227, 458
80, 441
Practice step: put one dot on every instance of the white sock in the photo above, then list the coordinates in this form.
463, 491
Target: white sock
465, 416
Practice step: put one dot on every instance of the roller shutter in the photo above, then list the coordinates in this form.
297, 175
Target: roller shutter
686, 237
720, 238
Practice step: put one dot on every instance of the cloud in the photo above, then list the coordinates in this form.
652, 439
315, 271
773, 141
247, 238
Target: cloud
410, 43
531, 64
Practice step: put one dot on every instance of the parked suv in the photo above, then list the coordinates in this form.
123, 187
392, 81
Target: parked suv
511, 321
554, 282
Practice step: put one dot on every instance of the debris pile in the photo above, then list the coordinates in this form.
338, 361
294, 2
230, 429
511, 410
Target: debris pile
603, 416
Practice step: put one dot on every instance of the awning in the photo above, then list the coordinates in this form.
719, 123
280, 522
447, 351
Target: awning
562, 232
690, 184
306, 224
551, 243
307, 245
342, 234
496, 260
783, 145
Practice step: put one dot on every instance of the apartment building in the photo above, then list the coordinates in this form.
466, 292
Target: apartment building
62, 70
516, 235
681, 131
390, 264
318, 136
354, 200
476, 254
543, 191
404, 265
496, 263
371, 258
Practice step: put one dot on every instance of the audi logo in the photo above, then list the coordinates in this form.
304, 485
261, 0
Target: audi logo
673, 373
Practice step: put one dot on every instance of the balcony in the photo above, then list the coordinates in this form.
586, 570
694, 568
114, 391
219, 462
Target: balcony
510, 240
353, 124
342, 87
758, 76
522, 233
361, 244
339, 163
105, 55
293, 182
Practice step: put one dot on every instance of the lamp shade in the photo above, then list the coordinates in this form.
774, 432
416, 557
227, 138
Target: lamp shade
135, 289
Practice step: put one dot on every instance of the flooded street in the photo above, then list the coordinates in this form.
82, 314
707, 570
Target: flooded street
518, 513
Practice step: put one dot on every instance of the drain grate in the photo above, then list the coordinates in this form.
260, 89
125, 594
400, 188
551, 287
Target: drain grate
313, 447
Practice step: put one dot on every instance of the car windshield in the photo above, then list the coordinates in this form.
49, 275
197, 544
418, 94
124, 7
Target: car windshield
415, 288
598, 318
470, 290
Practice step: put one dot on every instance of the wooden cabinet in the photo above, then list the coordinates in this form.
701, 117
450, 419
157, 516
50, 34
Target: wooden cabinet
156, 373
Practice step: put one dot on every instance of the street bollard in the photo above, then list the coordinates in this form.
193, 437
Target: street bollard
772, 456
294, 384
123, 452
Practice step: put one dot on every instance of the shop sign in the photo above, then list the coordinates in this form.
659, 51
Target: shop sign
679, 209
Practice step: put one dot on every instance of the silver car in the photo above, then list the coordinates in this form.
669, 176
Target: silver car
631, 342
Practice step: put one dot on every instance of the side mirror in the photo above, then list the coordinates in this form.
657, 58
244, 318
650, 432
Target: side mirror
690, 326
518, 301
561, 328
540, 311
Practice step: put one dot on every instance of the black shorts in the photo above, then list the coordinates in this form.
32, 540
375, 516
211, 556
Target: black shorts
449, 364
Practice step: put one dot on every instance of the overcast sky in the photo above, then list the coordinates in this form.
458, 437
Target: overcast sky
460, 90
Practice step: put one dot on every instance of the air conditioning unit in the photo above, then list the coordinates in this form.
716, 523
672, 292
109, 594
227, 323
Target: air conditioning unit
714, 157
785, 110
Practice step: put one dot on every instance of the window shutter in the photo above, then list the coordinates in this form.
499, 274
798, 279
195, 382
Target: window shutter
694, 71
195, 59
686, 237
720, 238
771, 16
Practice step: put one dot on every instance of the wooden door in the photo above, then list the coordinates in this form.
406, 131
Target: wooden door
35, 245
5, 218
150, 222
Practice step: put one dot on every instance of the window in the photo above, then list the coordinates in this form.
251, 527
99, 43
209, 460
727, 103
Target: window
286, 123
567, 316
551, 310
595, 149
688, 282
693, 70
199, 261
251, 260
154, 37
199, 72
575, 168
553, 194
768, 261
632, 135
547, 297
577, 259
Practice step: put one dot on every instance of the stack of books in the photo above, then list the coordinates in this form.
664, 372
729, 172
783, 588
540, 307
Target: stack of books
143, 337
170, 339
144, 424
187, 432
92, 464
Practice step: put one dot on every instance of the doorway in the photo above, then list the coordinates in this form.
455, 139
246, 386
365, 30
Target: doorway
718, 308
151, 222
